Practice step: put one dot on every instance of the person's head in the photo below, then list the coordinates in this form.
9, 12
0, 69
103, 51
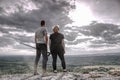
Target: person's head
42, 22
56, 29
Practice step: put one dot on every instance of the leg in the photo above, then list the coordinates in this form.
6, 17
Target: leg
61, 56
45, 58
54, 57
38, 54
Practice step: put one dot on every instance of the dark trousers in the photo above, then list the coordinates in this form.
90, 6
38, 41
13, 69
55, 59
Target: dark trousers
61, 56
41, 49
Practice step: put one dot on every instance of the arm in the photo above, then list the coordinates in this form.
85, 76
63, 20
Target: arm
45, 35
49, 43
35, 38
46, 38
63, 44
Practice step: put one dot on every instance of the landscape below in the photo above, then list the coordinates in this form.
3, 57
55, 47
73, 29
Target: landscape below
104, 66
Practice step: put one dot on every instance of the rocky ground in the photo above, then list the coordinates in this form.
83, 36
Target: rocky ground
88, 73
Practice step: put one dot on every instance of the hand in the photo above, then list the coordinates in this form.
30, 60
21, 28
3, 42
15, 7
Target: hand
64, 51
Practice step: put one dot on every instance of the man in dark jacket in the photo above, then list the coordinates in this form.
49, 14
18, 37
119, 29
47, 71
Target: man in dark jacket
57, 48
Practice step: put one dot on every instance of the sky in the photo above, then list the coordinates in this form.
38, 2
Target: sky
89, 26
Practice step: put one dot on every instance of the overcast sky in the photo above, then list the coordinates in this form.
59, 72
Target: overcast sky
19, 19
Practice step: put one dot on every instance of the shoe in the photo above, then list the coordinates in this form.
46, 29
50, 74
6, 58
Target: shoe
55, 71
35, 73
64, 70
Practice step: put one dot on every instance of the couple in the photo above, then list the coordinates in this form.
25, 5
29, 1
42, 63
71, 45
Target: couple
56, 44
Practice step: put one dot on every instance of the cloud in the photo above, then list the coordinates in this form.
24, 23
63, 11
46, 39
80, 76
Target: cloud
9, 50
104, 11
13, 6
53, 13
20, 19
13, 36
6, 42
97, 36
16, 22
1, 34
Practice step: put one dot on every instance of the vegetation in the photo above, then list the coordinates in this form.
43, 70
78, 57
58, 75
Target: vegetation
24, 64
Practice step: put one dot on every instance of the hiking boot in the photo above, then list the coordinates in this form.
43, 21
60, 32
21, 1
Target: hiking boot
36, 73
55, 71
64, 70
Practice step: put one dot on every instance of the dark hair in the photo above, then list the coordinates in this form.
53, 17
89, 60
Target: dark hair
42, 22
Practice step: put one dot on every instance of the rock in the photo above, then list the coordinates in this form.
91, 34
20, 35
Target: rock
115, 73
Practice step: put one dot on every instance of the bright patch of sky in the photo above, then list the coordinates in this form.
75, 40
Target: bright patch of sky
13, 51
1, 34
81, 15
21, 33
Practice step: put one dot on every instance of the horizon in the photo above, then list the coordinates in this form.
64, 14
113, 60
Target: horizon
80, 55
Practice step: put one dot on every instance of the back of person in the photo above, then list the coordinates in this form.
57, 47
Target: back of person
56, 41
40, 33
41, 40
